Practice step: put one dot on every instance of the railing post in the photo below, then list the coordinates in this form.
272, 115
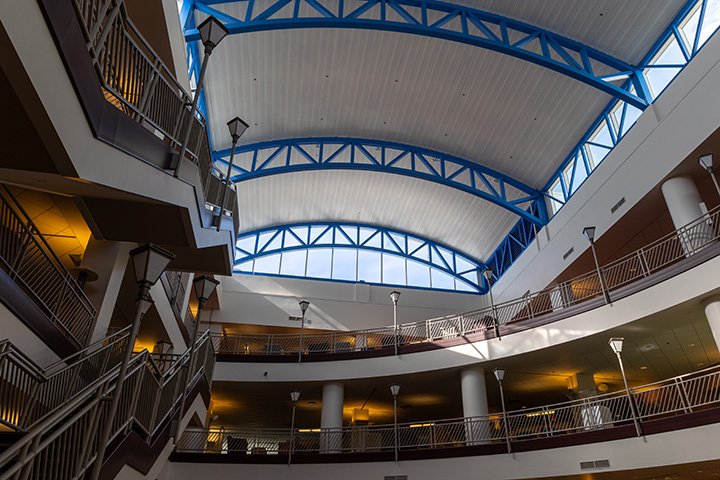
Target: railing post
643, 262
546, 422
682, 392
136, 396
148, 91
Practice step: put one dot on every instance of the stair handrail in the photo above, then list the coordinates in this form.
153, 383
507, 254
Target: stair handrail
78, 329
31, 392
78, 421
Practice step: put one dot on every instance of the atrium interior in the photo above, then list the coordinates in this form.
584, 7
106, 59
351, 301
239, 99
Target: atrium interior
391, 239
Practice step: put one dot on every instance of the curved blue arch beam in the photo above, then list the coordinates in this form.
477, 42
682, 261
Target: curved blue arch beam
446, 21
325, 153
430, 259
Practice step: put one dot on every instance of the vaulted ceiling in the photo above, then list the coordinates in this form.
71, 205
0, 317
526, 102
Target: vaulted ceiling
503, 112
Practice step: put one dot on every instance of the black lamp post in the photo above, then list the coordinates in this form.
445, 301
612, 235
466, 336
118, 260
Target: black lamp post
149, 262
616, 344
204, 286
211, 33
304, 304
237, 127
500, 376
589, 233
294, 397
488, 274
706, 161
395, 389
395, 296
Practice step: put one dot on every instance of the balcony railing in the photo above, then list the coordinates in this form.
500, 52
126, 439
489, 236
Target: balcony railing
654, 257
679, 395
136, 81
30, 262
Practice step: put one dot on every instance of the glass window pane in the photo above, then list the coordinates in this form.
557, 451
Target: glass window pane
344, 266
244, 267
595, 154
247, 244
689, 27
464, 287
369, 266
393, 269
293, 263
659, 78
418, 274
269, 264
441, 279
710, 22
631, 116
670, 54
318, 263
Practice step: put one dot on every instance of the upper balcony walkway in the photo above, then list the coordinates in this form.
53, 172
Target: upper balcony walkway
669, 256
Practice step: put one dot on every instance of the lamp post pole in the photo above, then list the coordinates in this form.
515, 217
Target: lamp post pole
304, 304
395, 296
204, 287
211, 32
706, 161
616, 343
589, 233
294, 397
149, 261
500, 375
488, 274
395, 389
237, 127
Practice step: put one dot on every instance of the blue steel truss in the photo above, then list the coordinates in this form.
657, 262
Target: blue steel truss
281, 156
325, 235
442, 20
672, 51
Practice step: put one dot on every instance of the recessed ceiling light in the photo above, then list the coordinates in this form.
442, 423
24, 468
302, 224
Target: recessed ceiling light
691, 345
700, 364
643, 367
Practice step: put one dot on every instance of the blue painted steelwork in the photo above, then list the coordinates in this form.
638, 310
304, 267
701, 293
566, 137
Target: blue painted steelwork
673, 50
432, 255
293, 155
515, 243
442, 20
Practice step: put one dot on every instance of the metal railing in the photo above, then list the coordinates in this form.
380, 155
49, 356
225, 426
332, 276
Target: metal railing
30, 262
63, 446
174, 285
136, 81
652, 258
683, 394
28, 392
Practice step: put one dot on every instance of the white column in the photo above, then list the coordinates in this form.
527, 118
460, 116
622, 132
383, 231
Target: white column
475, 405
109, 260
683, 202
331, 418
712, 312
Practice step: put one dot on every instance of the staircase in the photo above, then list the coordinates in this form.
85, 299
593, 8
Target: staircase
60, 411
27, 262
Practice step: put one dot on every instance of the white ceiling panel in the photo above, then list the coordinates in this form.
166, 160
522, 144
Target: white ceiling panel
511, 115
463, 221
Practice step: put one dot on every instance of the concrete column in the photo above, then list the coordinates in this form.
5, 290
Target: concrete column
712, 312
331, 418
475, 405
683, 202
109, 260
